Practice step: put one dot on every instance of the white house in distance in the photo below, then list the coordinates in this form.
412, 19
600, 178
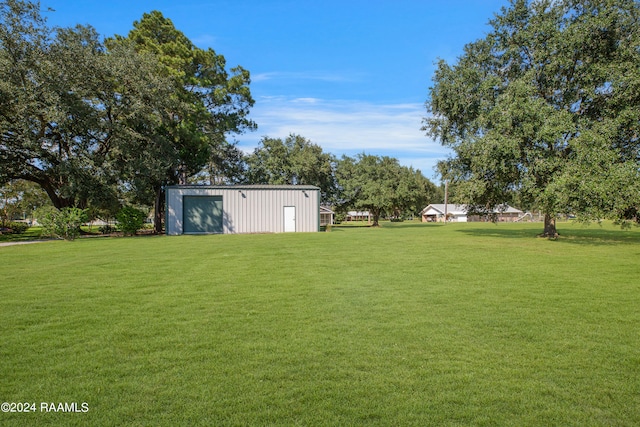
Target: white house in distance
458, 213
358, 216
436, 213
199, 209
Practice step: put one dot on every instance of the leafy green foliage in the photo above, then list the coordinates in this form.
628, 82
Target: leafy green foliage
18, 227
18, 200
64, 223
68, 106
130, 220
381, 185
545, 109
87, 120
296, 160
106, 229
205, 104
226, 166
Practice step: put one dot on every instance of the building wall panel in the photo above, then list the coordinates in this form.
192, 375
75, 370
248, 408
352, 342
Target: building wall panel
250, 209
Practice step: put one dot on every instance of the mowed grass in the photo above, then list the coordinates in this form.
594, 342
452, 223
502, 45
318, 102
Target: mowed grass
408, 324
32, 233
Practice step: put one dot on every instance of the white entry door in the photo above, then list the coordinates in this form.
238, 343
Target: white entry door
289, 219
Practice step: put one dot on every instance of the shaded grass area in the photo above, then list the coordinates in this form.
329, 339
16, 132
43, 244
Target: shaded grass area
32, 233
408, 324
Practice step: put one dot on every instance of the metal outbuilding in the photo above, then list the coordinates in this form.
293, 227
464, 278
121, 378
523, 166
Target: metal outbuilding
198, 209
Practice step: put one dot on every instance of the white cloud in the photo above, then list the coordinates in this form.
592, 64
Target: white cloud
306, 75
349, 127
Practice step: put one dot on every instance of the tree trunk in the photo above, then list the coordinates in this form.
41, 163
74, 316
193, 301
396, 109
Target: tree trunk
376, 217
549, 227
158, 211
57, 201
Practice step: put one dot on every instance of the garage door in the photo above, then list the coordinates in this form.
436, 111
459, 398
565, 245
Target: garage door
202, 214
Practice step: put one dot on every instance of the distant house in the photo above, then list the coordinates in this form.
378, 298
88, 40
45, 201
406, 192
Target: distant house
436, 213
358, 216
326, 216
458, 213
504, 213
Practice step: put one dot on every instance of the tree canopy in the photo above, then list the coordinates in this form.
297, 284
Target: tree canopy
19, 199
66, 105
381, 185
206, 104
546, 108
94, 122
294, 160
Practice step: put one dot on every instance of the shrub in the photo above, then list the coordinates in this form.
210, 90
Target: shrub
18, 227
130, 220
107, 229
46, 218
64, 223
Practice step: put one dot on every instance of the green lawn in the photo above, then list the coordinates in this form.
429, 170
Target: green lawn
32, 233
408, 324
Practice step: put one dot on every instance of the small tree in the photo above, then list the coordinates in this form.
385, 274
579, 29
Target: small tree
130, 220
18, 199
64, 223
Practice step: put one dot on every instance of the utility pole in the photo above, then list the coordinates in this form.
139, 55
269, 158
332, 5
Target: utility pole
446, 200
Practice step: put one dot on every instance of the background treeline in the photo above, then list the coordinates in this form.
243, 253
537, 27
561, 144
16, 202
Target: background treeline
99, 124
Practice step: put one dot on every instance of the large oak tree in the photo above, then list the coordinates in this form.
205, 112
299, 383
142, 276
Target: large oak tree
546, 107
89, 120
67, 105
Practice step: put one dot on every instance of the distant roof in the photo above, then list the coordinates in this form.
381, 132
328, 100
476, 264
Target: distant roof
358, 213
249, 187
462, 209
451, 209
510, 209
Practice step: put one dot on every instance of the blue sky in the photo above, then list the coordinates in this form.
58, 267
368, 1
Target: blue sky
350, 75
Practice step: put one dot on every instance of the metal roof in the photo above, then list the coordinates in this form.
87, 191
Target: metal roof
247, 187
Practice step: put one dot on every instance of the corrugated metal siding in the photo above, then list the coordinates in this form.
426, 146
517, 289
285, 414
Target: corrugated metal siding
250, 209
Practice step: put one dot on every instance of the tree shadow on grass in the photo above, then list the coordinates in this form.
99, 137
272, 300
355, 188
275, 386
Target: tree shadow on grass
589, 235
409, 224
600, 237
334, 230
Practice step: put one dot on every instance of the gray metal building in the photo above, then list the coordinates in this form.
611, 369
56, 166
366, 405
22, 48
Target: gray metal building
197, 209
